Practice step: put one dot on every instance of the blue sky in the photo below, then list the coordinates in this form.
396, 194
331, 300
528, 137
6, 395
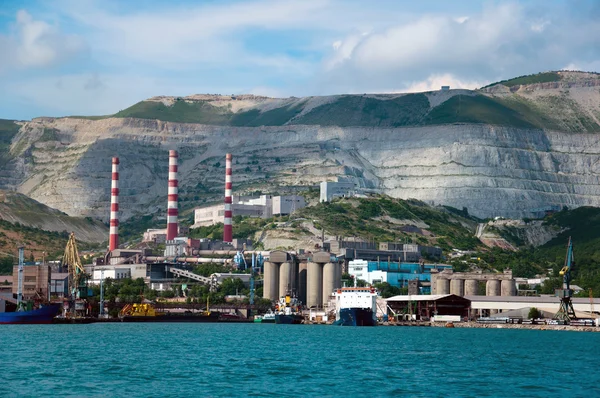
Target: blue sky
93, 57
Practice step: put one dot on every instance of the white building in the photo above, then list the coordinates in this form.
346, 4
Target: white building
344, 187
285, 205
264, 206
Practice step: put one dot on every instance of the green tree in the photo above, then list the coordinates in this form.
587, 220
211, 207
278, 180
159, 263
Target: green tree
231, 286
534, 313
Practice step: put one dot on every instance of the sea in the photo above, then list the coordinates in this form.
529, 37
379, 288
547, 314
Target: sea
269, 360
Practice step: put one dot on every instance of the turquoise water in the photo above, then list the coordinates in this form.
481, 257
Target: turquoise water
230, 360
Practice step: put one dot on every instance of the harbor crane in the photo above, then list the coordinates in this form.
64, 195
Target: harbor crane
77, 278
566, 311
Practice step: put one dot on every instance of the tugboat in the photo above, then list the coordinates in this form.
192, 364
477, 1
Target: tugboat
356, 306
268, 317
288, 311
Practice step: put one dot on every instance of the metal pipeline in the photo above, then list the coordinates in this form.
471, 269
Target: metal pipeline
229, 252
189, 259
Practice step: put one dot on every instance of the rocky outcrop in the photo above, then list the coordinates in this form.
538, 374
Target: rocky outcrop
488, 169
492, 171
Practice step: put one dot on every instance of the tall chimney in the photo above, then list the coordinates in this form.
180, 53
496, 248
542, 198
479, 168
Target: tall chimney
172, 211
113, 241
227, 228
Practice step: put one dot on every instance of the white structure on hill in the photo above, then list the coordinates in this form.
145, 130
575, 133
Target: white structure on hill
264, 206
344, 187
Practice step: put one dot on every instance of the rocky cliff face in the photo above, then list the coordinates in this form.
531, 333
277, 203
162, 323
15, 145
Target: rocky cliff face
491, 169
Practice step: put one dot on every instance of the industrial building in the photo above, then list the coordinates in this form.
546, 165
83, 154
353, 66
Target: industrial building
342, 188
424, 307
371, 251
36, 281
490, 305
396, 273
160, 235
265, 206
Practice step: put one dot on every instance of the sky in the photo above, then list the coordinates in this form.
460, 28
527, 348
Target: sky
96, 57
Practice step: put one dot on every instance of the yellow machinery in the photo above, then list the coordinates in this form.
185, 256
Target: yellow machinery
139, 310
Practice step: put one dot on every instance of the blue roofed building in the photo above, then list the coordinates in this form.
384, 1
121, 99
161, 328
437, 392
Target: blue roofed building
397, 274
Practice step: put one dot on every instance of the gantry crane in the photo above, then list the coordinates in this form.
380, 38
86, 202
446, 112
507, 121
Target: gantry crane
566, 311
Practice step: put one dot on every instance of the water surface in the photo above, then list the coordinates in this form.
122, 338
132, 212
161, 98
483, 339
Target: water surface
231, 360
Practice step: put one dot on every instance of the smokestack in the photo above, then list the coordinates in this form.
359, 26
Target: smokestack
172, 211
113, 241
227, 228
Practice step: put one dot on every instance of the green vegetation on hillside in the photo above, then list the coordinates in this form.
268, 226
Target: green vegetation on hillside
363, 110
544, 77
479, 109
372, 219
181, 111
8, 129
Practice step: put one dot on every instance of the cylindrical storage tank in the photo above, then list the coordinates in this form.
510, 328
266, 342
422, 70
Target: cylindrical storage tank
442, 286
508, 288
302, 282
492, 287
267, 282
314, 284
328, 281
457, 286
285, 280
471, 287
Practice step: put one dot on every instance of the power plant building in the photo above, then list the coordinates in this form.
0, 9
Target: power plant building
265, 206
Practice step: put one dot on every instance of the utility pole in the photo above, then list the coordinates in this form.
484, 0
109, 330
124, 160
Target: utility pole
102, 294
20, 279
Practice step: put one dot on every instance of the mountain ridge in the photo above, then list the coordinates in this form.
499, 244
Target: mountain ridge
513, 151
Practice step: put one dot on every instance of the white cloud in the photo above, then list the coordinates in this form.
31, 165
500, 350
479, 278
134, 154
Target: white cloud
503, 40
35, 43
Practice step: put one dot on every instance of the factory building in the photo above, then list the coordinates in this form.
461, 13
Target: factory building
265, 206
160, 235
396, 274
371, 251
342, 188
36, 281
490, 305
59, 284
425, 307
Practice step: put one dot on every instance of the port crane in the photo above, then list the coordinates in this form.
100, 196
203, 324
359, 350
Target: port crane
257, 262
566, 311
77, 278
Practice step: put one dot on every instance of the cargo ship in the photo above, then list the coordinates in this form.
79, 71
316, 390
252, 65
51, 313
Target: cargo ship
43, 314
356, 306
289, 311
147, 313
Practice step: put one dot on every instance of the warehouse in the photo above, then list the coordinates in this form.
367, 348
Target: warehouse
424, 307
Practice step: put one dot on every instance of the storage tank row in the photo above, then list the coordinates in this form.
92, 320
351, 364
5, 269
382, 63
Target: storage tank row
469, 287
312, 281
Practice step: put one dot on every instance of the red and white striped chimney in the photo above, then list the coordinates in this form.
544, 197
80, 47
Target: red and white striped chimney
113, 241
227, 228
172, 211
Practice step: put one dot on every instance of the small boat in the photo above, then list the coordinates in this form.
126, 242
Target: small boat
289, 311
42, 315
268, 317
